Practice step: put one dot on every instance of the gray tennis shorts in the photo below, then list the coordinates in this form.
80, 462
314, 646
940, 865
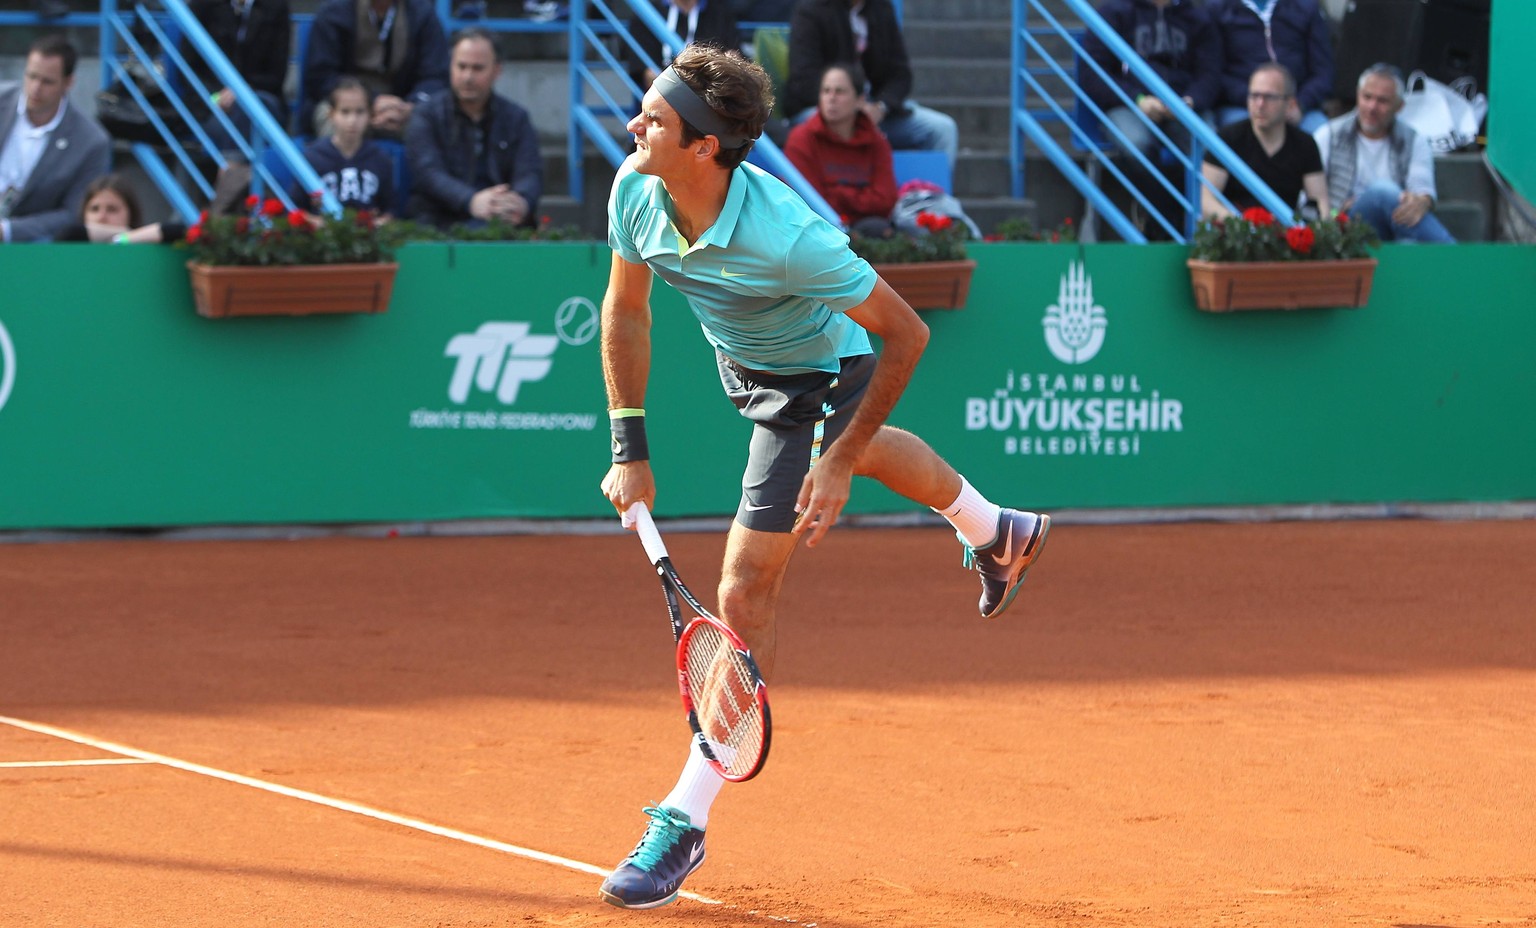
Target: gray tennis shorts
795, 417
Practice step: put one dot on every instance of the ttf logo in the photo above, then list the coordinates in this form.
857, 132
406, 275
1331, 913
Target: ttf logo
500, 357
7, 365
1074, 326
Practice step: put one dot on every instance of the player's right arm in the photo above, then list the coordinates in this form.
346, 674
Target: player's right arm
626, 348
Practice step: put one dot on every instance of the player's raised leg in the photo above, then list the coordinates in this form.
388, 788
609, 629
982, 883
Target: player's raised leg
1000, 544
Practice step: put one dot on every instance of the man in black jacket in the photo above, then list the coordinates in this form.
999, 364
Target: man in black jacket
395, 47
474, 155
693, 21
254, 36
825, 32
1179, 42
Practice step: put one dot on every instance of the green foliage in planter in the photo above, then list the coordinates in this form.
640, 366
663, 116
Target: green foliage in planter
1256, 236
943, 239
269, 235
402, 231
1019, 229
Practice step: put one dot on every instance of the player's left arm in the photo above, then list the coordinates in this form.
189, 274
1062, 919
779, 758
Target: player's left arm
903, 336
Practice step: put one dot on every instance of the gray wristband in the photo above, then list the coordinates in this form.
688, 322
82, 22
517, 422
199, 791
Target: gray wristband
629, 442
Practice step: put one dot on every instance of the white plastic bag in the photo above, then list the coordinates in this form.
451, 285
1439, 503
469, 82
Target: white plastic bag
1449, 115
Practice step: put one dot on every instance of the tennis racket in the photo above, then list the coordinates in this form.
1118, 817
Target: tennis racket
724, 695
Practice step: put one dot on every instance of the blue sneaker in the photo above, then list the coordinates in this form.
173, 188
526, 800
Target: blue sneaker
652, 874
1003, 564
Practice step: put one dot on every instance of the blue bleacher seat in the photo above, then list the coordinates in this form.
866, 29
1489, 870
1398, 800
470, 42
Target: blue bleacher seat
916, 164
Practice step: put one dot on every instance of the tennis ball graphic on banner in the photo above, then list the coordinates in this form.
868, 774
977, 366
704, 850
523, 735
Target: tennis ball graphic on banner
7, 365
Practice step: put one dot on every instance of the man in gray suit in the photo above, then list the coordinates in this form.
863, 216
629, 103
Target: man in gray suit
49, 151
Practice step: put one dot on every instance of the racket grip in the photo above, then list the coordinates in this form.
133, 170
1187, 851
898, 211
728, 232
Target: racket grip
640, 517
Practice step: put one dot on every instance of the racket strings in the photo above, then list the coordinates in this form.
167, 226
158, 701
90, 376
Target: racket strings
723, 688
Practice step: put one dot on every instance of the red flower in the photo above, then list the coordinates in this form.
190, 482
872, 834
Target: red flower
1342, 219
252, 201
926, 220
365, 219
194, 233
242, 225
273, 208
1300, 239
298, 220
1259, 216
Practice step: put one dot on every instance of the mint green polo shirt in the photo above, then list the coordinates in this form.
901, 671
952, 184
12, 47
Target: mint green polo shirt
769, 282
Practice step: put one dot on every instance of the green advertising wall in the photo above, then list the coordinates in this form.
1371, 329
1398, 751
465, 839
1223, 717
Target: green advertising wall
1511, 123
479, 393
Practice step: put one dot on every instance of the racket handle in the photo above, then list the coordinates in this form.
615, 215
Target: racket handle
640, 517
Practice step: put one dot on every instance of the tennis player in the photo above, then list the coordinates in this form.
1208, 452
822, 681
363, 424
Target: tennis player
787, 307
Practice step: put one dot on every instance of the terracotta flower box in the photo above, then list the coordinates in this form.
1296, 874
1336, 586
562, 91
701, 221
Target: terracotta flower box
297, 290
930, 284
1226, 286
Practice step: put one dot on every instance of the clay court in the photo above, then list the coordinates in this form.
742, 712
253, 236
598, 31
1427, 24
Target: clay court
1182, 725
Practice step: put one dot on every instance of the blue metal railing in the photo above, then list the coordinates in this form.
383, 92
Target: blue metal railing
170, 22
125, 62
1088, 126
595, 122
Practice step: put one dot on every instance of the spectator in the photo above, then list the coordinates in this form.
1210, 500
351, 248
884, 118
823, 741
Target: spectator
1292, 32
111, 213
356, 170
1284, 157
844, 156
1379, 169
474, 155
823, 32
1180, 43
693, 21
254, 36
395, 47
49, 152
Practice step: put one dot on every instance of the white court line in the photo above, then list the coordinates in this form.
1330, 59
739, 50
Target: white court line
306, 796
96, 762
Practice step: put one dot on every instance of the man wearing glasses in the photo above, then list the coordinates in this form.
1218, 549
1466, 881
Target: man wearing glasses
1379, 169
1282, 155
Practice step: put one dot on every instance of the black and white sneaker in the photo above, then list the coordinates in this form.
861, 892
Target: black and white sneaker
653, 873
1003, 564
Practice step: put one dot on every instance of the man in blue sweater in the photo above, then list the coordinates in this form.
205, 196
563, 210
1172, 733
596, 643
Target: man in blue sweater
1177, 39
395, 47
1292, 32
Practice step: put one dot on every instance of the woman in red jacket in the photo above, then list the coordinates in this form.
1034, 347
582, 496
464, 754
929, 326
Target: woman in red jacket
842, 154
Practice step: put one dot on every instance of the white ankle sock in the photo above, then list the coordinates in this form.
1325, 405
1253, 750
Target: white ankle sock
973, 516
696, 788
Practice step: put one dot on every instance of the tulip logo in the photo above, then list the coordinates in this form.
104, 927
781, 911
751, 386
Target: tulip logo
1074, 326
